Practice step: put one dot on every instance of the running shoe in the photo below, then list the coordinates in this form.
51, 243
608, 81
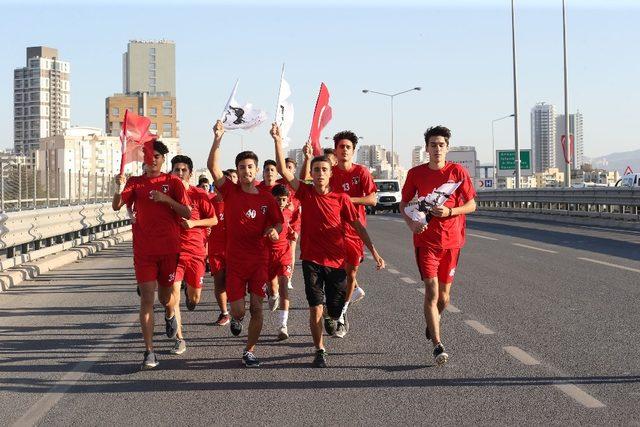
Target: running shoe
320, 361
223, 320
171, 327
179, 346
440, 355
150, 360
236, 327
250, 360
357, 295
342, 326
289, 285
274, 302
190, 305
329, 325
283, 333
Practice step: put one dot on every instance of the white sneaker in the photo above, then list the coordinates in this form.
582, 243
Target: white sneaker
274, 302
283, 333
358, 294
289, 285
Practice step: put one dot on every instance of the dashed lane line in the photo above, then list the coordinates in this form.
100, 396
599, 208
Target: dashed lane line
393, 271
521, 355
481, 236
479, 327
452, 309
408, 280
579, 395
608, 264
534, 248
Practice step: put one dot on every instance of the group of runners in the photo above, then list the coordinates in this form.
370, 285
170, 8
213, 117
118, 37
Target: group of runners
244, 231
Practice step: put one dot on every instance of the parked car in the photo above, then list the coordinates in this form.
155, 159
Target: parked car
389, 196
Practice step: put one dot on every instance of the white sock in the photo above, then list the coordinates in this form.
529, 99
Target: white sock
346, 306
283, 316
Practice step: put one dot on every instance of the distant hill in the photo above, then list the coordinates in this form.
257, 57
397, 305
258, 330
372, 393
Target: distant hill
616, 161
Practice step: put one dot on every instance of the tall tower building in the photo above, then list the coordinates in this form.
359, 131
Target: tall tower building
149, 66
419, 156
575, 126
41, 98
543, 136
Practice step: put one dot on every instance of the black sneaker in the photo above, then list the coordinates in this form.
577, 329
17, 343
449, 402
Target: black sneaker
320, 361
330, 325
150, 360
236, 327
440, 355
250, 360
190, 305
171, 326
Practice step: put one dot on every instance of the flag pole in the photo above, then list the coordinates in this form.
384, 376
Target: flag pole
123, 141
275, 116
233, 92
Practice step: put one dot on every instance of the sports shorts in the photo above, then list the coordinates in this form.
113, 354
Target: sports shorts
325, 283
440, 263
190, 270
160, 268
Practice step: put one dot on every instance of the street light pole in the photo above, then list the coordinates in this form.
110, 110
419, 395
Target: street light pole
493, 144
515, 94
567, 129
391, 96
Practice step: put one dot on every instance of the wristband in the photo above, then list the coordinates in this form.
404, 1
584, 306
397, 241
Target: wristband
450, 212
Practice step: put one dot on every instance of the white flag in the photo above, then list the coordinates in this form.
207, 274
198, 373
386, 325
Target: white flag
236, 116
284, 111
421, 212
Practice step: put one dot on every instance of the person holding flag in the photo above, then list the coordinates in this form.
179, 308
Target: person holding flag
160, 200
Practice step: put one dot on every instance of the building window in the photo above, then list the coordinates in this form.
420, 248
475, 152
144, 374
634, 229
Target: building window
152, 66
166, 111
153, 127
166, 104
153, 111
152, 81
166, 129
115, 111
18, 97
152, 51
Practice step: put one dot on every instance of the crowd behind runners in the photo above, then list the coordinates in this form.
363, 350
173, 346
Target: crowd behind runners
244, 231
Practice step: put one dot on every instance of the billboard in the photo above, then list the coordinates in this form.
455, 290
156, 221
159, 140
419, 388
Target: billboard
466, 158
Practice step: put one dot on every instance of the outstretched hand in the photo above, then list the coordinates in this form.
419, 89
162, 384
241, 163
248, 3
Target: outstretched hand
307, 150
218, 130
275, 132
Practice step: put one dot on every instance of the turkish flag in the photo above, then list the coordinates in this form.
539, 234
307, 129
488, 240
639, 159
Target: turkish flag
137, 142
321, 116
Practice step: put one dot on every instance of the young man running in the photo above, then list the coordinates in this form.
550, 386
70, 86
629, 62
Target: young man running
160, 200
437, 243
324, 215
292, 165
191, 263
252, 216
217, 246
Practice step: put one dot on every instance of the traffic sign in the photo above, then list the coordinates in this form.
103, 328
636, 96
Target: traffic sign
628, 170
507, 162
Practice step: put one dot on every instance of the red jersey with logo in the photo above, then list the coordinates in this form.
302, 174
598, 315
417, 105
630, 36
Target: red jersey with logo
355, 182
218, 234
323, 221
295, 204
157, 229
247, 216
192, 241
446, 232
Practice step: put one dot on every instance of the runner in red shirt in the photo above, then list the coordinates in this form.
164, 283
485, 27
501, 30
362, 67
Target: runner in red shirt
193, 251
252, 217
292, 165
324, 215
438, 242
160, 200
269, 180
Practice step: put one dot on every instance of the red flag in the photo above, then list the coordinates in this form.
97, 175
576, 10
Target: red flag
137, 141
563, 141
321, 116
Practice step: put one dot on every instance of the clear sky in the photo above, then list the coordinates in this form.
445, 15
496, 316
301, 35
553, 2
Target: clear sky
458, 51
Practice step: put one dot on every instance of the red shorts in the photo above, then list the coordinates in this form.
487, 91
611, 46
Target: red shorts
353, 251
217, 263
280, 264
244, 277
160, 268
191, 270
440, 263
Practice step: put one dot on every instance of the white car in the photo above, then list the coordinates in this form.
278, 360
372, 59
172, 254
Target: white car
389, 196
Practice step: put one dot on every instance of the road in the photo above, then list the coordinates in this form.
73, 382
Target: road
543, 329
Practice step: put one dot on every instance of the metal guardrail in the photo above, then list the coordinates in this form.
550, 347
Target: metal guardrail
25, 232
611, 203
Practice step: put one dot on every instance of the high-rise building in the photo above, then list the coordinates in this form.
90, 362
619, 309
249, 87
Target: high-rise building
575, 126
543, 136
298, 155
419, 156
41, 98
149, 66
371, 156
160, 109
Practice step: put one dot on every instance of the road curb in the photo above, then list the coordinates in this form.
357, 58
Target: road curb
16, 275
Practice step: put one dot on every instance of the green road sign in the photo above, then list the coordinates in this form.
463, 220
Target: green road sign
507, 159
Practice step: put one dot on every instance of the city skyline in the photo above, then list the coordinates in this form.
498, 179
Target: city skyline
469, 85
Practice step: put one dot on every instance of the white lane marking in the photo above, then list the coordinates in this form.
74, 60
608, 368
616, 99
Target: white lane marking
408, 280
534, 248
609, 229
521, 355
580, 396
622, 267
399, 220
479, 327
421, 290
392, 271
452, 309
370, 257
52, 396
481, 236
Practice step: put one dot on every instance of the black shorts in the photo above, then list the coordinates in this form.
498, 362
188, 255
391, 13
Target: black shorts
320, 281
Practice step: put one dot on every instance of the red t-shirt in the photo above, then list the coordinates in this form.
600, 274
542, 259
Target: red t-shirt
157, 229
323, 219
192, 241
218, 235
355, 182
295, 204
283, 245
447, 232
264, 187
247, 216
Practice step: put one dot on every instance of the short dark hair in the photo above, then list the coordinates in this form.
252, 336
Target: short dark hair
437, 131
203, 180
290, 160
319, 159
329, 151
228, 172
246, 155
280, 190
269, 162
182, 159
345, 134
160, 147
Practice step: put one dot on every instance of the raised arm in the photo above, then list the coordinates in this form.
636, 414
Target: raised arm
213, 162
117, 201
305, 171
280, 162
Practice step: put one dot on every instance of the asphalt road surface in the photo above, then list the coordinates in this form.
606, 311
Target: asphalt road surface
543, 329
